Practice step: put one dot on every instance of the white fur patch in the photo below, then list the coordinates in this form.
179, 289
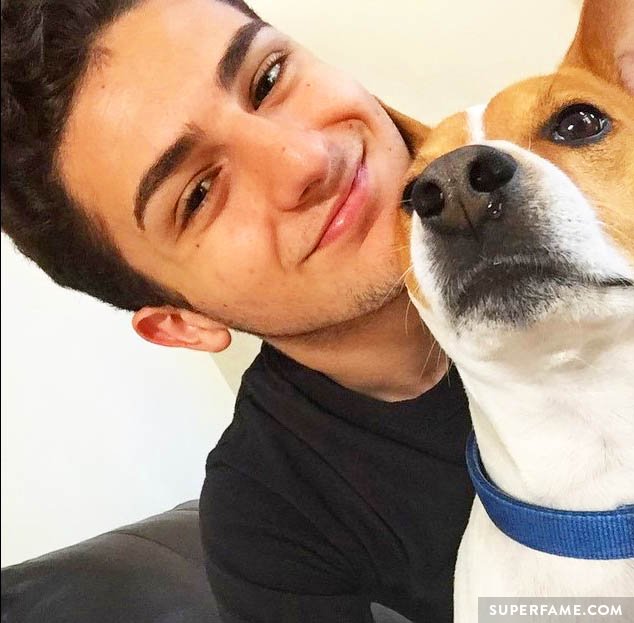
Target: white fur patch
475, 117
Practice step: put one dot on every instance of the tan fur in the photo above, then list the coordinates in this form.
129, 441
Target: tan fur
604, 35
519, 113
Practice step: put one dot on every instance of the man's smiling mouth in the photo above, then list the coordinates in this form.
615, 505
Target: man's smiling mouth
349, 204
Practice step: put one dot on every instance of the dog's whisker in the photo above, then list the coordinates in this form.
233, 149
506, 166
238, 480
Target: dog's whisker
440, 354
400, 248
431, 350
450, 365
407, 308
399, 283
434, 343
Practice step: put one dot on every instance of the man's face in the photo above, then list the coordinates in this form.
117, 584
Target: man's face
236, 218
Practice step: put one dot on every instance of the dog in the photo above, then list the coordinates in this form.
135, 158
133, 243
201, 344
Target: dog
517, 232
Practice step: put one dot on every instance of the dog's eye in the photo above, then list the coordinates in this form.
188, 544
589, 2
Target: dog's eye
578, 124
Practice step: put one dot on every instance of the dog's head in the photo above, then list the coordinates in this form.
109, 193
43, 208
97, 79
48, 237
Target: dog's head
523, 209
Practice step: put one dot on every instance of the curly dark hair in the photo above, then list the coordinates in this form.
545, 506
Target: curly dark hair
46, 48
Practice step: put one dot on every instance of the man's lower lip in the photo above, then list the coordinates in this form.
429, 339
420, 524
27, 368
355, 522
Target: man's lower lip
349, 212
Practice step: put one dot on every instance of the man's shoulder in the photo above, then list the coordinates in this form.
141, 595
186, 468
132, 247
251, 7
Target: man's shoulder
259, 534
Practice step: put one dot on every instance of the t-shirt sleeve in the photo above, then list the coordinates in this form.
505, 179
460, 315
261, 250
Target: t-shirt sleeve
267, 563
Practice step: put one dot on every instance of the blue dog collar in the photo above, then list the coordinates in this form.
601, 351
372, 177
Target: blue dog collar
592, 535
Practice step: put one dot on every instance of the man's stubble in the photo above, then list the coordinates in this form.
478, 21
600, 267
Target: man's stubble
355, 311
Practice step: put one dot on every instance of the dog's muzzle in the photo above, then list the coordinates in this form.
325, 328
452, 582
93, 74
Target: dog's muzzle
492, 234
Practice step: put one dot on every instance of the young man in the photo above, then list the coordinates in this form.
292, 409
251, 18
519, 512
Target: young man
186, 161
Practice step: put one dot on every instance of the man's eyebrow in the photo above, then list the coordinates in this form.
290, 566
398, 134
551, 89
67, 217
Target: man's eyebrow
169, 161
165, 166
231, 61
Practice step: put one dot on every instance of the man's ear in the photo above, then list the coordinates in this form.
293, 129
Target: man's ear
170, 326
604, 43
413, 132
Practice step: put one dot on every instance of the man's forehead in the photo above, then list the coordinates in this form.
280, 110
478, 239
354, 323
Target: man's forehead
164, 28
149, 71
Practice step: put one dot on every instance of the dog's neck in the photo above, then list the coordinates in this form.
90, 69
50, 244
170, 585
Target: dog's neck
554, 414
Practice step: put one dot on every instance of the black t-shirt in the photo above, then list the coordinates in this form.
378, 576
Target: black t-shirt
319, 500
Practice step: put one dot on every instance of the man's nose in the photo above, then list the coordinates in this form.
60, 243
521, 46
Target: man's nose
460, 191
287, 164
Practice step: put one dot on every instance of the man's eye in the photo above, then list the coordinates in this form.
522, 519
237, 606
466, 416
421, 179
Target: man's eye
196, 199
267, 78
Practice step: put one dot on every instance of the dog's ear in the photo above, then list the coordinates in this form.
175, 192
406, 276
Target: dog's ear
413, 132
604, 43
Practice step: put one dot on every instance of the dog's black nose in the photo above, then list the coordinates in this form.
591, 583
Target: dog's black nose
462, 189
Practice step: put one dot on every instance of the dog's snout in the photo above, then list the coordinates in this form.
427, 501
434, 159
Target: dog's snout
462, 189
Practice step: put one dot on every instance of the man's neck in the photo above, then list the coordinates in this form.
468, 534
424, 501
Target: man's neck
388, 354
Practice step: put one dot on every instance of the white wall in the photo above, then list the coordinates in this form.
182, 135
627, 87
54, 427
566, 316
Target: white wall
100, 428
431, 58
